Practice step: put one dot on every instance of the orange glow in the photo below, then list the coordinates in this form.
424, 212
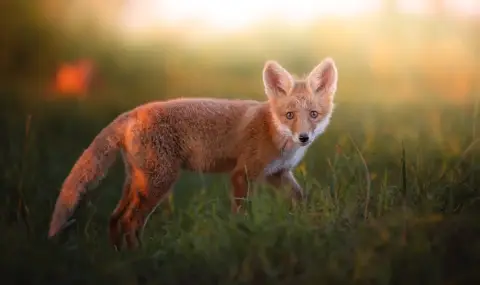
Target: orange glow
73, 79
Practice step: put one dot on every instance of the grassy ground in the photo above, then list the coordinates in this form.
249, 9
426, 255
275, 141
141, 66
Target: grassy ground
393, 199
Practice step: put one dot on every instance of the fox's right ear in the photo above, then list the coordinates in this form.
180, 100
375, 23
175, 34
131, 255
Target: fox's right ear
276, 79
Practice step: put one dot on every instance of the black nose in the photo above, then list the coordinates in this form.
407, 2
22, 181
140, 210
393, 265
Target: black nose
303, 137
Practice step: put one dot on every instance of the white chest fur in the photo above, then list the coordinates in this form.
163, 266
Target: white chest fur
287, 160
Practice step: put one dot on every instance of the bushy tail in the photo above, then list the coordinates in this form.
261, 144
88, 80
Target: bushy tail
89, 169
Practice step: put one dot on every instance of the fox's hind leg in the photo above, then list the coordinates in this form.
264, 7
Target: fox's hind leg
144, 202
115, 229
151, 179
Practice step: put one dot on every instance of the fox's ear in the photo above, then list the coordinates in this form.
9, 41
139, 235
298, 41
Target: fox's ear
323, 78
276, 79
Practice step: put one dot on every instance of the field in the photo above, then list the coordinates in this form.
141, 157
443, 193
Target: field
393, 185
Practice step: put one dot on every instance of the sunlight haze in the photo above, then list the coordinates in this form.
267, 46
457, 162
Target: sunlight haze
237, 15
240, 14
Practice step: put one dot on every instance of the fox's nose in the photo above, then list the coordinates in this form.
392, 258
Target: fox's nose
303, 137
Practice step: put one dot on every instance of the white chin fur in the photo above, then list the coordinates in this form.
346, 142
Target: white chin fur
321, 127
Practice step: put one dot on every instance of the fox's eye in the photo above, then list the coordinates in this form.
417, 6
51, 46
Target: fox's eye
289, 115
314, 114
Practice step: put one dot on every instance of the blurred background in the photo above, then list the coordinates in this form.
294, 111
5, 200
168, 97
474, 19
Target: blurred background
409, 81
121, 50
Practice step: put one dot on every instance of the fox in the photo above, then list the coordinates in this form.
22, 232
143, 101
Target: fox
252, 141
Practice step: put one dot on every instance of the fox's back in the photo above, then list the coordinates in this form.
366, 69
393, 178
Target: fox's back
205, 133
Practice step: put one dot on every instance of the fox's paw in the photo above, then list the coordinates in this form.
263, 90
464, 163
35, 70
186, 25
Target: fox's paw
133, 240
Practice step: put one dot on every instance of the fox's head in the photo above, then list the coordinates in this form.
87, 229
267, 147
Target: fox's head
301, 109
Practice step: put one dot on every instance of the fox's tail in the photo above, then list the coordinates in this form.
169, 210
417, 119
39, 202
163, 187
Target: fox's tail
89, 169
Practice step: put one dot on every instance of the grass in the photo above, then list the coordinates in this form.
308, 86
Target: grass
393, 199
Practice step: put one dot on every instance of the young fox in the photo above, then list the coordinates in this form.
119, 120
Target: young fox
251, 140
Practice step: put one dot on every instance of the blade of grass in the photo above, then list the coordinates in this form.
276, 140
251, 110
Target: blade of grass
404, 194
367, 177
22, 208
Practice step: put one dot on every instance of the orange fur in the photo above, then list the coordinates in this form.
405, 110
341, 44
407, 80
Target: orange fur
250, 140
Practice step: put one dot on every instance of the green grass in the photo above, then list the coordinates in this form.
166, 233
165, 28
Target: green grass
392, 199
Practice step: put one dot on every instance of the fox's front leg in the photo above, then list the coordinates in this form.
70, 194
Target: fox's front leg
240, 178
240, 189
286, 178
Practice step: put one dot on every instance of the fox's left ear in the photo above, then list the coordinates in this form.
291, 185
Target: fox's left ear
323, 78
